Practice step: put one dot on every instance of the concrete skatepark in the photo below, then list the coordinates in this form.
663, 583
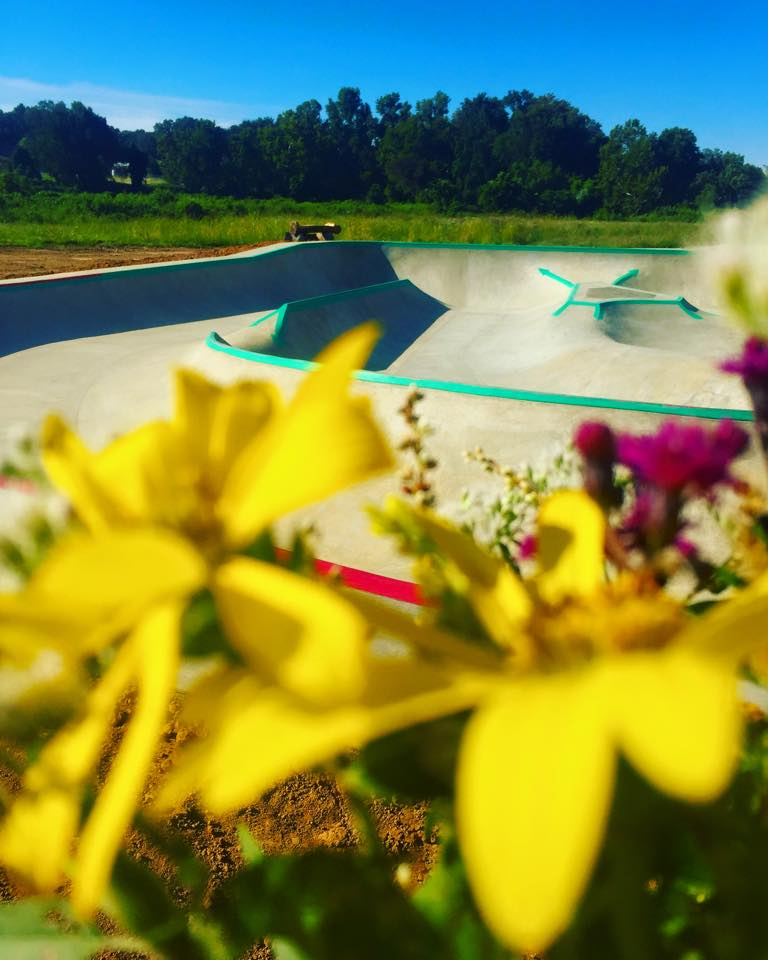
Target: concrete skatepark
513, 346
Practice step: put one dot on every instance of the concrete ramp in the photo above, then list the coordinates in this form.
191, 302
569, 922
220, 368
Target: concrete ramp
300, 329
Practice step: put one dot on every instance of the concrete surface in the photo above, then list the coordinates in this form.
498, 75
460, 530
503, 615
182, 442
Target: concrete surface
98, 348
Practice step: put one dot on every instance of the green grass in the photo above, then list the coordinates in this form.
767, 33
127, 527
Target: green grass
165, 219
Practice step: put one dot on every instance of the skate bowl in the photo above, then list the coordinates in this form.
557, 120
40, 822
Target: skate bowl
512, 347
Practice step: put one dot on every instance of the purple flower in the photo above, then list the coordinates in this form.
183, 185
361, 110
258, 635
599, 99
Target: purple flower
684, 458
752, 367
596, 442
528, 547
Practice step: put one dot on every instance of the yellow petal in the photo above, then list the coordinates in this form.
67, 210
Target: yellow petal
736, 627
534, 784
430, 641
103, 582
217, 423
571, 531
338, 361
496, 594
36, 836
145, 473
675, 714
67, 759
156, 645
325, 441
295, 632
70, 466
258, 737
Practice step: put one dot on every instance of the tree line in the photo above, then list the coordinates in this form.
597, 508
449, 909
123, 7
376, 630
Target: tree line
520, 152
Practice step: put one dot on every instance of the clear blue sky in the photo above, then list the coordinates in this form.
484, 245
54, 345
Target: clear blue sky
676, 63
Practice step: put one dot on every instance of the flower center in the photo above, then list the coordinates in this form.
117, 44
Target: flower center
621, 617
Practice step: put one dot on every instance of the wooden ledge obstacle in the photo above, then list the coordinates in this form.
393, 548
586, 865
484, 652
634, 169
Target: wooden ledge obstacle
300, 233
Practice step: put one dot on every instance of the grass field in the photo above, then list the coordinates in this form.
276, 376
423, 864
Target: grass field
90, 220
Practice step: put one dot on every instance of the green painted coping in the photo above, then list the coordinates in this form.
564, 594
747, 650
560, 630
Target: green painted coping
215, 342
223, 262
310, 303
624, 277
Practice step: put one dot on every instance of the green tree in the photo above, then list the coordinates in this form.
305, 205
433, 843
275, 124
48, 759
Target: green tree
630, 180
725, 179
193, 155
678, 153
476, 126
416, 153
352, 132
73, 145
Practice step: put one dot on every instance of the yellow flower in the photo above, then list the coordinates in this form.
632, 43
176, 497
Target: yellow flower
232, 459
165, 507
568, 680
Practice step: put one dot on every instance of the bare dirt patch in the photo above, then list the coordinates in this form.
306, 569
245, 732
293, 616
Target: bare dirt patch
30, 262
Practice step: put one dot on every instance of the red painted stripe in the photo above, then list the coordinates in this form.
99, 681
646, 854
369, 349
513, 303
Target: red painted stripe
17, 483
373, 583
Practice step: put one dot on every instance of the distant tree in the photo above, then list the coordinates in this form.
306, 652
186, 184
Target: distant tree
476, 127
391, 110
252, 174
72, 144
23, 163
726, 179
352, 134
630, 179
416, 153
550, 130
193, 155
678, 153
13, 128
143, 141
548, 157
297, 150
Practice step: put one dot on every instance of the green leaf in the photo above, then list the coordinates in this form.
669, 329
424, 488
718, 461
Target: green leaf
43, 929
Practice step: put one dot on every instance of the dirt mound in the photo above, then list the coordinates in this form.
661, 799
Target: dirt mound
30, 262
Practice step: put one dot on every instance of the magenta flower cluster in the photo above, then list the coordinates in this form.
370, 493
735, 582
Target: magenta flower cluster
752, 365
681, 458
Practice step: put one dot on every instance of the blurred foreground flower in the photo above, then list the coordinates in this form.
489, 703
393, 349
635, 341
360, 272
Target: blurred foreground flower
166, 506
565, 673
741, 264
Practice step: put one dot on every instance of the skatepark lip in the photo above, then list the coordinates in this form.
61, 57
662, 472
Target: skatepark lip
334, 285
98, 348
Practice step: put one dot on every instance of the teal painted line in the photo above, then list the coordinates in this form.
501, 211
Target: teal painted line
556, 276
267, 316
215, 342
281, 311
309, 303
242, 261
624, 277
564, 306
603, 305
545, 248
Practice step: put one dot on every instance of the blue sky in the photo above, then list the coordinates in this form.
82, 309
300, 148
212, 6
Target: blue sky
673, 63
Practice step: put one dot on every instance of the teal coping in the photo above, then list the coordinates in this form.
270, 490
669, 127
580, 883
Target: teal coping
556, 276
223, 262
216, 342
309, 303
624, 277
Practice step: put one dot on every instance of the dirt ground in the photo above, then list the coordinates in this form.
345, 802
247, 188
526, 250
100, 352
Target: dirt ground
29, 262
